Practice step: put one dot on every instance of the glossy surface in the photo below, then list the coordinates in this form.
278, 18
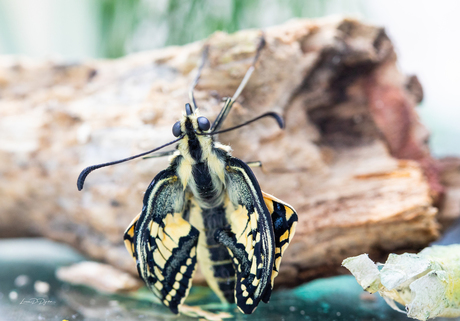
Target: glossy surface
23, 262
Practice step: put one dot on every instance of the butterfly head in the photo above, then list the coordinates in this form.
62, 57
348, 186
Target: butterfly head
191, 123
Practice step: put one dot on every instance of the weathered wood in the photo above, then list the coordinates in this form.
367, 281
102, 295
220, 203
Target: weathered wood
351, 160
449, 207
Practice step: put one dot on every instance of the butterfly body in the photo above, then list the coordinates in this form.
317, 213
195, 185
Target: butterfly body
199, 194
201, 167
207, 207
202, 175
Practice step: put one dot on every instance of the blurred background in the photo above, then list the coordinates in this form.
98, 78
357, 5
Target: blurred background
424, 32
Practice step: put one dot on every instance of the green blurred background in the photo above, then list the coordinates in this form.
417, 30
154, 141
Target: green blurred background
425, 33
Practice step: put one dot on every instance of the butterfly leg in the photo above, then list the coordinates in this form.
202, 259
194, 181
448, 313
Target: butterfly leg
204, 58
254, 164
229, 103
161, 154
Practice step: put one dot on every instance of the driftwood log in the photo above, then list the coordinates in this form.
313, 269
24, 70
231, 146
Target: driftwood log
353, 159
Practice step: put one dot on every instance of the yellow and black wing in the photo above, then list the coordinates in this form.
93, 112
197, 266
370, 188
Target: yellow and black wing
284, 220
162, 242
249, 238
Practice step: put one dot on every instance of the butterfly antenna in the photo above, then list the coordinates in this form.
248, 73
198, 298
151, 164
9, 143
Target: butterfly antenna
274, 115
87, 170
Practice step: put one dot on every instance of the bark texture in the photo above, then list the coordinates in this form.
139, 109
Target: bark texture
353, 159
449, 206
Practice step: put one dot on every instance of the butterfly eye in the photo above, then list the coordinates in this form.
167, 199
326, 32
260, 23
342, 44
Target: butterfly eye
203, 123
176, 129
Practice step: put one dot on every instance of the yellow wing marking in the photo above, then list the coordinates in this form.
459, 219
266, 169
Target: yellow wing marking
284, 223
129, 236
175, 225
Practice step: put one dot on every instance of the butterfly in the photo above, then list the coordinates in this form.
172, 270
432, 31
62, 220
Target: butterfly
207, 207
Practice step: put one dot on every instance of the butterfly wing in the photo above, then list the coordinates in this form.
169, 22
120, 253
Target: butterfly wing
284, 219
162, 242
128, 237
250, 237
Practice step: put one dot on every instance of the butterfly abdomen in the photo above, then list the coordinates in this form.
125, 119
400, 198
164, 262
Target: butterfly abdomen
207, 214
214, 259
220, 262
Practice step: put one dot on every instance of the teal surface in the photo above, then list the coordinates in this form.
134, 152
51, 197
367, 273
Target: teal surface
337, 298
